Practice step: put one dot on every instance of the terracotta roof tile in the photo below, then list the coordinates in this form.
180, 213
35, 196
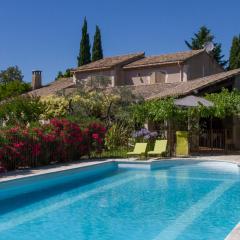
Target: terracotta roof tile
151, 91
163, 59
109, 62
53, 87
185, 88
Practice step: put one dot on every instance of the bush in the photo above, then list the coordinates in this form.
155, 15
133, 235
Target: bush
21, 110
57, 141
56, 107
144, 135
117, 136
13, 88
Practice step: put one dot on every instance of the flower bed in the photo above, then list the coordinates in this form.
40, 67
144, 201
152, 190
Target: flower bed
57, 141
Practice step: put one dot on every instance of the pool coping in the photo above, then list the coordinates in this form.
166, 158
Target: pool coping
24, 174
234, 234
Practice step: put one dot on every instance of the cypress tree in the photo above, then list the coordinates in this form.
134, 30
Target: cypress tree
234, 58
84, 53
203, 36
97, 52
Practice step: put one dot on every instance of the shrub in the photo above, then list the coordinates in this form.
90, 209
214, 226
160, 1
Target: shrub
13, 88
144, 135
56, 107
21, 110
58, 141
117, 136
95, 134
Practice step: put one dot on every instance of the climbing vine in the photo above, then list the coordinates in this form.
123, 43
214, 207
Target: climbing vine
226, 103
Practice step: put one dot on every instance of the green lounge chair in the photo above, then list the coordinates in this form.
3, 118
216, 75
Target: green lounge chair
182, 149
139, 149
159, 148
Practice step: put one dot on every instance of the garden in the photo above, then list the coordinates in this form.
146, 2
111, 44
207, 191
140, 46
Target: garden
93, 123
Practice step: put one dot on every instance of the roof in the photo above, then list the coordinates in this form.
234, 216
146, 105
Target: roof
185, 88
109, 62
53, 87
148, 91
163, 59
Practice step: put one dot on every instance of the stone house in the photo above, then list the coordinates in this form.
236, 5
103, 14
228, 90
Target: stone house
138, 69
155, 77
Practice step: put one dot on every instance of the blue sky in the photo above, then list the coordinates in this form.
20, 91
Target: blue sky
45, 34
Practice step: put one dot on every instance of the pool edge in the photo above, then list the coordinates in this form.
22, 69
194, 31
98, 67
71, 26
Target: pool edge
54, 170
234, 234
149, 164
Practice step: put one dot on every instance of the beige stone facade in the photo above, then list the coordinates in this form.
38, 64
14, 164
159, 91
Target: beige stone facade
150, 75
141, 70
201, 66
111, 75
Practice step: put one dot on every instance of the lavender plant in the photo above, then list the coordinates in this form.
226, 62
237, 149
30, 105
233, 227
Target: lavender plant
144, 134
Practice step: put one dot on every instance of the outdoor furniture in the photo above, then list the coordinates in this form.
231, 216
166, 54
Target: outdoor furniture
159, 148
139, 150
193, 101
182, 149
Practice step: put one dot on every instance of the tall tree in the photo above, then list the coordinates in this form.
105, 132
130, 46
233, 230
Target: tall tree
66, 74
84, 53
203, 36
234, 58
11, 74
97, 52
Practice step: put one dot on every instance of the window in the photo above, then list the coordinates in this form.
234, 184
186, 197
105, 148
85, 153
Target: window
160, 76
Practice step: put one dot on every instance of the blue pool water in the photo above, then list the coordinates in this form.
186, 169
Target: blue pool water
194, 201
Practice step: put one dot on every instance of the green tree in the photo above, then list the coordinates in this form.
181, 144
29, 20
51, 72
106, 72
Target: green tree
12, 73
59, 75
97, 52
234, 58
13, 88
84, 53
21, 110
66, 74
203, 36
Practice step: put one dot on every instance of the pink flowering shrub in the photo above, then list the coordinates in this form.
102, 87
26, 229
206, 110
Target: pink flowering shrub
58, 141
95, 135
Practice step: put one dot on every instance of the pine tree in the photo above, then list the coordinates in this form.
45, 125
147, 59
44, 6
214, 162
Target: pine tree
97, 52
203, 36
234, 58
84, 53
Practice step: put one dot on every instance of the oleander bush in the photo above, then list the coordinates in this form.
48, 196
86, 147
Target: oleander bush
60, 140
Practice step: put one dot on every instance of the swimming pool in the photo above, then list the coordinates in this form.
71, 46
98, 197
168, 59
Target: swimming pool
174, 200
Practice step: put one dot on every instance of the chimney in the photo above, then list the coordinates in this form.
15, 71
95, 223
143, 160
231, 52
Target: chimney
36, 79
